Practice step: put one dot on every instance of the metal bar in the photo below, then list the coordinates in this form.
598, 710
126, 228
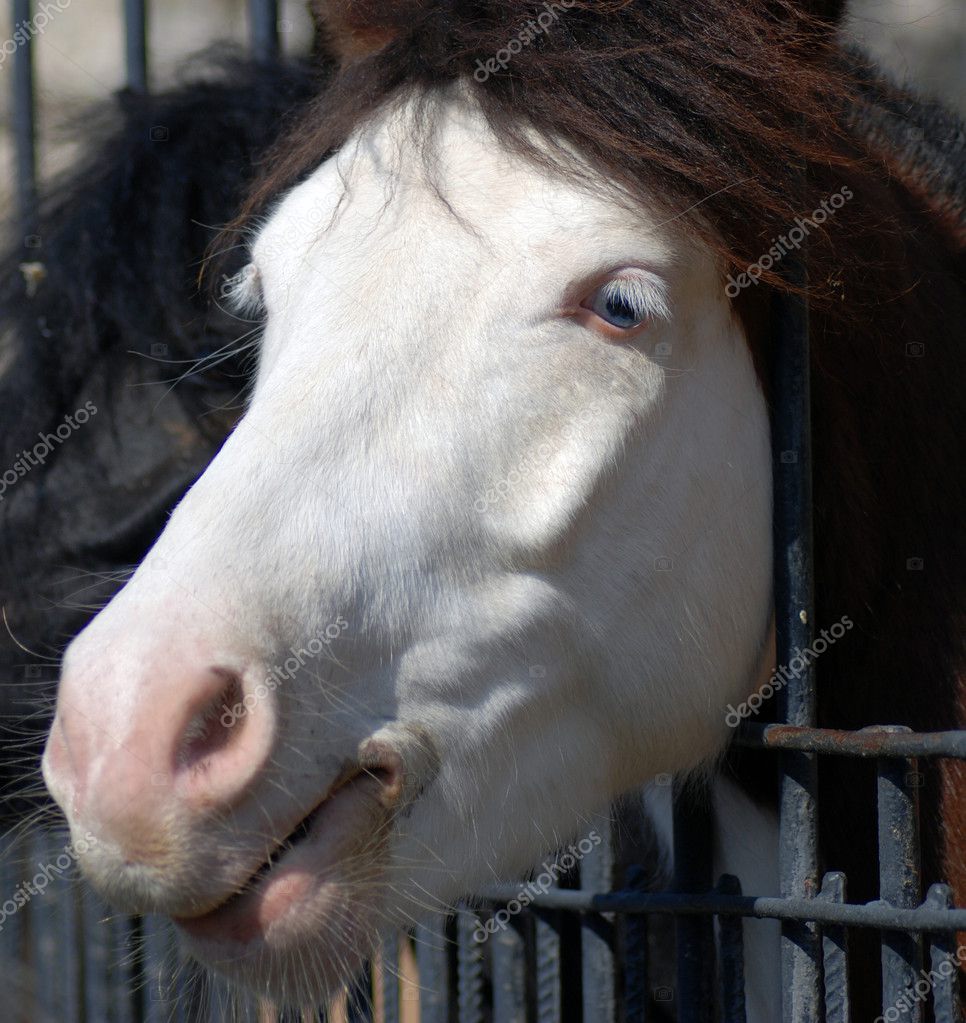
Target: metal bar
944, 962
389, 979
23, 117
636, 994
899, 876
43, 926
136, 44
547, 940
835, 955
431, 960
871, 743
694, 992
96, 958
731, 940
12, 927
509, 978
359, 1007
871, 914
263, 29
469, 968
597, 932
792, 536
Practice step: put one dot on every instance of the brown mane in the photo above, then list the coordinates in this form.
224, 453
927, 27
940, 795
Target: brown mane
740, 117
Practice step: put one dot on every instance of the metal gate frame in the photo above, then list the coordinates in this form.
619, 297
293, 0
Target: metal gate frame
813, 912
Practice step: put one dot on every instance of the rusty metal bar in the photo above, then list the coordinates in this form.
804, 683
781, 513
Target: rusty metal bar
792, 538
944, 962
899, 877
877, 741
871, 914
835, 955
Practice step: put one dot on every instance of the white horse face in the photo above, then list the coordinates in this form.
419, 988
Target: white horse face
490, 546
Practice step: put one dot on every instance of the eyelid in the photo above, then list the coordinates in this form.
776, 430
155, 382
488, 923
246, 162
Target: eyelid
649, 289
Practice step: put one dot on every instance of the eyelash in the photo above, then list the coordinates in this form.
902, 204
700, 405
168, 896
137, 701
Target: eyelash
627, 293
242, 293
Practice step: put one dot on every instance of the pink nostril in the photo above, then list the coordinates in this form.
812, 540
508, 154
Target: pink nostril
215, 724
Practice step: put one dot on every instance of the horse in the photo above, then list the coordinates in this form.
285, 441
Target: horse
516, 548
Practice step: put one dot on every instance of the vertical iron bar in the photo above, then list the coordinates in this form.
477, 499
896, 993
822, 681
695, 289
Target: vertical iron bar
597, 932
509, 981
12, 931
635, 954
432, 960
693, 873
899, 875
547, 938
794, 601
389, 979
943, 962
136, 44
96, 959
835, 955
359, 1007
23, 116
469, 968
731, 938
263, 29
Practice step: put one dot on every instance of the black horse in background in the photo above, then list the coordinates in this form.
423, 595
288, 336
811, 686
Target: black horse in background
102, 305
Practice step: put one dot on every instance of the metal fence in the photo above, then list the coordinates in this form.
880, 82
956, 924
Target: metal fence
583, 949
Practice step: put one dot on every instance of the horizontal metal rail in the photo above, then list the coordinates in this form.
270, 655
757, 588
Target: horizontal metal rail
871, 914
877, 741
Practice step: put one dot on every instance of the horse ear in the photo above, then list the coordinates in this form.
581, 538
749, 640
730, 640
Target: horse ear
350, 29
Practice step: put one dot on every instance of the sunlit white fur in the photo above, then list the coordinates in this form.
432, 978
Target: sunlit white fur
583, 631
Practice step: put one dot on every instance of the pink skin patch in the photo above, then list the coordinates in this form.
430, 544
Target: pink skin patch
308, 881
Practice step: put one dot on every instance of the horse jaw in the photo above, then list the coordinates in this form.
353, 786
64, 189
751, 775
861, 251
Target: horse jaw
551, 551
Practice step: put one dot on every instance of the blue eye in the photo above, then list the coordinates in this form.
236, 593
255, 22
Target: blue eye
611, 304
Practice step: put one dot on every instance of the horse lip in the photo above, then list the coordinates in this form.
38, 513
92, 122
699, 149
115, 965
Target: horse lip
402, 758
293, 837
